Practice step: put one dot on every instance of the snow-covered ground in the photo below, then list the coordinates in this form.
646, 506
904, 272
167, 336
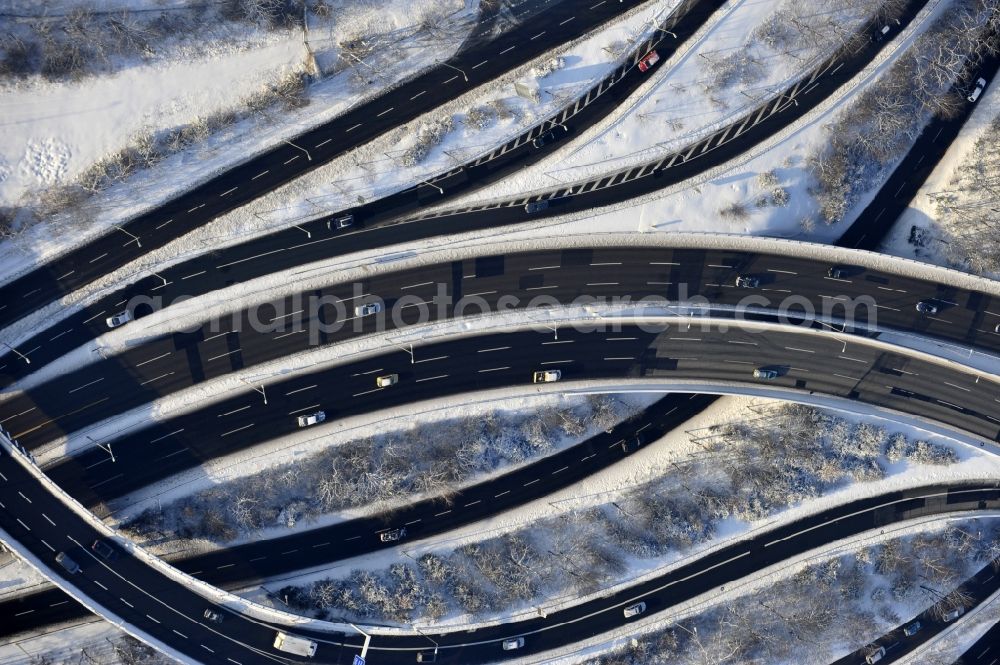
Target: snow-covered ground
288, 479
615, 483
922, 212
58, 130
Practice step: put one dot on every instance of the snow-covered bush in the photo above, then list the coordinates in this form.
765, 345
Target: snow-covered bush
818, 613
430, 459
479, 117
887, 116
748, 470
545, 68
428, 135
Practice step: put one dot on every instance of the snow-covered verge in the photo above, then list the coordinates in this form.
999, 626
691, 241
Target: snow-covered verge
725, 199
826, 609
724, 481
376, 470
159, 128
870, 136
747, 53
94, 643
953, 218
950, 644
16, 576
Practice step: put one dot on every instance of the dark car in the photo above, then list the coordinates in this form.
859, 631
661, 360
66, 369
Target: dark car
912, 629
104, 550
548, 137
343, 221
926, 307
633, 443
747, 282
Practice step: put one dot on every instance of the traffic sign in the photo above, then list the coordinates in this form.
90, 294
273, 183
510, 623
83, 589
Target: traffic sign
358, 660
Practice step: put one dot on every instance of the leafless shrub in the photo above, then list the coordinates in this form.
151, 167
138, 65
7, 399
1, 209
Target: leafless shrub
479, 117
428, 135
734, 211
887, 117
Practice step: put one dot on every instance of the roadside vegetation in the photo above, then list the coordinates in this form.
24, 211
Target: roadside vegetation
969, 209
825, 608
746, 470
879, 126
431, 459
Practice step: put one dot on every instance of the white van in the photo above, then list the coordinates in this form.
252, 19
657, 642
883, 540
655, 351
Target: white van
299, 646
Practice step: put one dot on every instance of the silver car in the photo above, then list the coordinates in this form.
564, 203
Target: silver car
368, 309
312, 419
119, 319
634, 610
513, 643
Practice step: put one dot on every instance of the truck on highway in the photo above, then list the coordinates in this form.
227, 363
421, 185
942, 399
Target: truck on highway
296, 645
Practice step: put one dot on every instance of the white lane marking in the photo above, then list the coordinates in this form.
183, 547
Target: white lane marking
298, 390
320, 145
261, 174
146, 362
480, 64
86, 384
493, 369
567, 20
431, 378
228, 191
509, 48
236, 430
48, 520
385, 111
126, 602
196, 208
352, 128
181, 634
417, 95
451, 79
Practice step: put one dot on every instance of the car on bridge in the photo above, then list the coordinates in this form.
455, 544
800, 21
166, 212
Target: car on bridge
927, 307
550, 136
765, 373
212, 615
747, 282
648, 61
71, 567
368, 309
546, 376
312, 419
513, 643
119, 319
387, 380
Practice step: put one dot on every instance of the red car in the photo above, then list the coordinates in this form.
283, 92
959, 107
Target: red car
648, 61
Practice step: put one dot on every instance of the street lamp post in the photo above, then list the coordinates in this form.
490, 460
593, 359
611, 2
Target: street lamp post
18, 353
457, 70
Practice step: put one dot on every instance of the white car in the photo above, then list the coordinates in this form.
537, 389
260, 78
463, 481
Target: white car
980, 85
546, 376
513, 643
387, 380
368, 309
392, 535
119, 319
634, 610
954, 614
875, 656
312, 419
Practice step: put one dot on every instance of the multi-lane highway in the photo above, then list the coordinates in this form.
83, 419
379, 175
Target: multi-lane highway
170, 363
374, 225
245, 565
818, 362
169, 611
479, 62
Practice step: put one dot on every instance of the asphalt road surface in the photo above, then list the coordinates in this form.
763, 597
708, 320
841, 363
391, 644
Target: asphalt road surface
168, 363
374, 226
249, 564
172, 612
478, 63
820, 363
926, 627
